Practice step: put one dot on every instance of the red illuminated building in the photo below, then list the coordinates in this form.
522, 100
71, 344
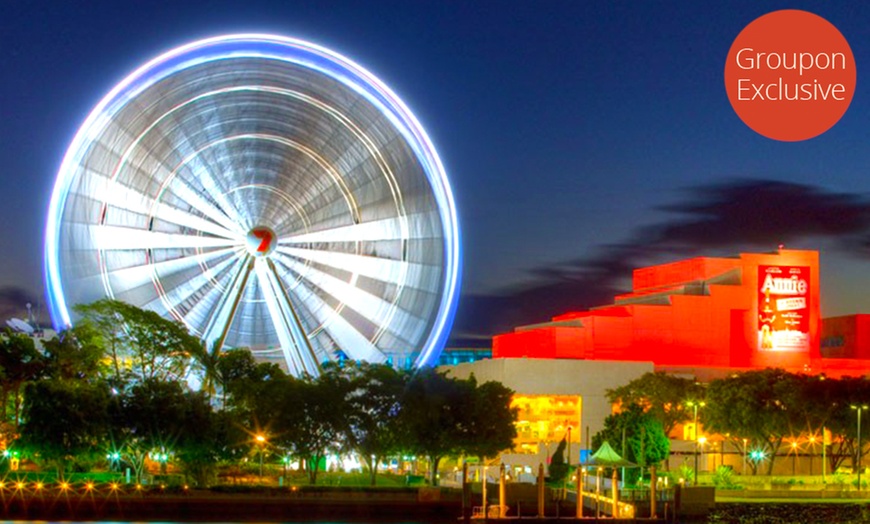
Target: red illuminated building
752, 311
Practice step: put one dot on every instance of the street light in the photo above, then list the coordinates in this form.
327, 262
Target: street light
744, 456
261, 441
285, 460
859, 409
565, 480
695, 405
794, 452
701, 442
114, 459
812, 452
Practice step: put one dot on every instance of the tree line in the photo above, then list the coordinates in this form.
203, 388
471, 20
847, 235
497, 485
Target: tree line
759, 410
117, 384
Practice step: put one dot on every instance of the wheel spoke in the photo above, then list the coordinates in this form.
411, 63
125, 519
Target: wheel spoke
132, 277
382, 314
294, 342
420, 276
385, 229
350, 341
118, 238
170, 300
225, 215
218, 326
198, 315
117, 195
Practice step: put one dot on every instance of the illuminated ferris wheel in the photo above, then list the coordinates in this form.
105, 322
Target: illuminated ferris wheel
268, 193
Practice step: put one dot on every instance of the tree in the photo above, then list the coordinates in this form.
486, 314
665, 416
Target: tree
433, 417
20, 363
141, 341
312, 417
646, 443
828, 405
205, 364
491, 427
444, 417
762, 406
242, 381
63, 419
204, 439
102, 318
661, 395
149, 417
76, 354
374, 405
558, 469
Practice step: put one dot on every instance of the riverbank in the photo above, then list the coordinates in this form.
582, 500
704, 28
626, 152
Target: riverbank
788, 513
423, 505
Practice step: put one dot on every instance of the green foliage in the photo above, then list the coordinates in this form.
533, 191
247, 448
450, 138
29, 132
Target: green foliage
205, 439
491, 427
63, 419
313, 418
147, 417
763, 406
140, 343
723, 478
249, 387
74, 355
645, 441
687, 473
375, 401
20, 363
443, 416
116, 383
661, 395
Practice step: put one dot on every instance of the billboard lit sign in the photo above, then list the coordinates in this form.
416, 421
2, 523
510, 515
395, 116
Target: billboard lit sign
783, 308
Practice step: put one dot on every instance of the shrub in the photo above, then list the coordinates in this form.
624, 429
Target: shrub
687, 473
723, 478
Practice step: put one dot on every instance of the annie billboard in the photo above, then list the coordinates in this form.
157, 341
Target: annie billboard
783, 308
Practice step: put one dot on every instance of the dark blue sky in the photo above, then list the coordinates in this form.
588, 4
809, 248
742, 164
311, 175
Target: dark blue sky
565, 127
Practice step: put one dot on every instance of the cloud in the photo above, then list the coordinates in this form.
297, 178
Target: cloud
710, 220
763, 213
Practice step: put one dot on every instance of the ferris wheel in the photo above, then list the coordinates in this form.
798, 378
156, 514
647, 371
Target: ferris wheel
268, 193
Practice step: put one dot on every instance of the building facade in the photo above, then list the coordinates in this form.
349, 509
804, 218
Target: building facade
699, 315
700, 318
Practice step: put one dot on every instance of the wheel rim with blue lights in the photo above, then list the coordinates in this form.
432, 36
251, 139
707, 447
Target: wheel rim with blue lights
268, 193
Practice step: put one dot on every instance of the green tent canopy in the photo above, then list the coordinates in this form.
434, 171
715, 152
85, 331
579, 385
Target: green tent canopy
607, 457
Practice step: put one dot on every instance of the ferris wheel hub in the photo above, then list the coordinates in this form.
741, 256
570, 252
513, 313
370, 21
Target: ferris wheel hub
261, 241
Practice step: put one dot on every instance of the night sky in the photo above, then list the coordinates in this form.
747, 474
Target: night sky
582, 139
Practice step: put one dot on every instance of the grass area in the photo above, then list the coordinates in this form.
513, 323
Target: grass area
51, 476
326, 478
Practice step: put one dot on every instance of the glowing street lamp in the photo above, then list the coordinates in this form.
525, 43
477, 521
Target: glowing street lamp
161, 457
114, 459
695, 405
700, 442
859, 409
285, 460
757, 456
794, 451
261, 442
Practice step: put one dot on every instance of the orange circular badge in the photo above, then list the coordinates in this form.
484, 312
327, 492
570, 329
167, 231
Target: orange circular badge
790, 75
